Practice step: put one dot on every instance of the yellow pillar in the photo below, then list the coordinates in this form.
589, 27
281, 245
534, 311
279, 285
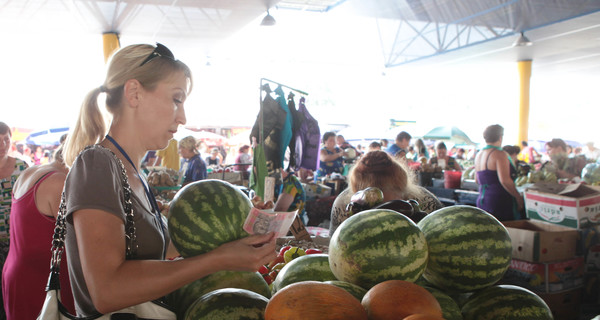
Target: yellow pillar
525, 76
110, 41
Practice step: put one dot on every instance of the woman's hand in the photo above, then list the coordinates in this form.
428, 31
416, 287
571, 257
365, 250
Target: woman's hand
520, 202
247, 254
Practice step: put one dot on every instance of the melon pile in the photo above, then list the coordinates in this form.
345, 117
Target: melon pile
380, 265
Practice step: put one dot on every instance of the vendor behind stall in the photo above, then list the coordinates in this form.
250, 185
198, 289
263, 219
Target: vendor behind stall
560, 162
443, 160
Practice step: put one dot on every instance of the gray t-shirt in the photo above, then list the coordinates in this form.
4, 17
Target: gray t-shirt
95, 182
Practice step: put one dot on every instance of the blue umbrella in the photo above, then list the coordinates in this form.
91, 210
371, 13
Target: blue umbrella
48, 137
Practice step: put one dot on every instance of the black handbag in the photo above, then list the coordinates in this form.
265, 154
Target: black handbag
53, 309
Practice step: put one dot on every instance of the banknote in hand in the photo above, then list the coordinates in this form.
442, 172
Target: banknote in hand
265, 221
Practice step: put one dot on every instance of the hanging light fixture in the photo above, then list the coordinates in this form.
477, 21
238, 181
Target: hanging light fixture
268, 20
522, 41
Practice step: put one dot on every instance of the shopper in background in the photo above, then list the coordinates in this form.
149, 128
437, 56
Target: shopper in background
343, 144
10, 169
384, 143
528, 153
243, 159
36, 197
146, 89
400, 147
420, 150
168, 157
591, 153
374, 145
193, 168
513, 153
497, 192
215, 158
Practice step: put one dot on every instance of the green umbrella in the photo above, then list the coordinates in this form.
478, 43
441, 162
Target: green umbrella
451, 133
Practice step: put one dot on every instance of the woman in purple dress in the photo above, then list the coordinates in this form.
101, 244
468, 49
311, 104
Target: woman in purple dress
497, 192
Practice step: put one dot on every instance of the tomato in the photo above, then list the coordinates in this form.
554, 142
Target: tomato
293, 253
268, 278
278, 259
283, 250
273, 274
263, 270
312, 251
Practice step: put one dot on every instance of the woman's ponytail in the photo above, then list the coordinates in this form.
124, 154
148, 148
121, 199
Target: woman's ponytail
89, 129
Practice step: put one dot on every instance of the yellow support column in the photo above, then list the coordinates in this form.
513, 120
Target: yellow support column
525, 76
110, 41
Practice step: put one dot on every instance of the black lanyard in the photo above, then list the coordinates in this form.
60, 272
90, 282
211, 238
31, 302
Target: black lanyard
149, 193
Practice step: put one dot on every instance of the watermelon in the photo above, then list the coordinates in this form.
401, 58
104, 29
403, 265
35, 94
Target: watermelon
230, 304
313, 267
205, 214
182, 298
450, 309
353, 289
469, 249
506, 302
377, 245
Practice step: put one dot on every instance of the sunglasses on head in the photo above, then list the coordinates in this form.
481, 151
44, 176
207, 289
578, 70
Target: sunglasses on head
159, 51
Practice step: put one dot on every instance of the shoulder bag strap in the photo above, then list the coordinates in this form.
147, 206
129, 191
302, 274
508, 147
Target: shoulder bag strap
60, 230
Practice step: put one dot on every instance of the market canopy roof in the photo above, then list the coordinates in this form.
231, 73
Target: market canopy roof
564, 32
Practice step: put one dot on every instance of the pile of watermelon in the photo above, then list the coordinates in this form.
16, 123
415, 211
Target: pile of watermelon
453, 258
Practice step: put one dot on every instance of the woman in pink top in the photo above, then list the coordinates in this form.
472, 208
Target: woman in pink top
36, 197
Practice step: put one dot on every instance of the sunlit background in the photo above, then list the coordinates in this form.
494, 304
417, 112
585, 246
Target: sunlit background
336, 59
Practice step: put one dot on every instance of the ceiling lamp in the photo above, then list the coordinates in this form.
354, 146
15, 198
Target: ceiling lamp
268, 20
522, 41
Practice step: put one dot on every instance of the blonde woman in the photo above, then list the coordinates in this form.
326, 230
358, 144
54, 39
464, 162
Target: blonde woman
193, 168
145, 90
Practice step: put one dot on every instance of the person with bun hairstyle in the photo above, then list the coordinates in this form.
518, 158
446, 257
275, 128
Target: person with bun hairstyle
380, 169
145, 91
498, 194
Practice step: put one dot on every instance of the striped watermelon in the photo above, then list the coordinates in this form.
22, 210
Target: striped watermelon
230, 304
353, 289
314, 267
450, 309
469, 249
182, 298
377, 245
506, 302
205, 214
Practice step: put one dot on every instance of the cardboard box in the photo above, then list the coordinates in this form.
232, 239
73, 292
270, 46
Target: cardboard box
565, 305
546, 277
538, 241
569, 205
